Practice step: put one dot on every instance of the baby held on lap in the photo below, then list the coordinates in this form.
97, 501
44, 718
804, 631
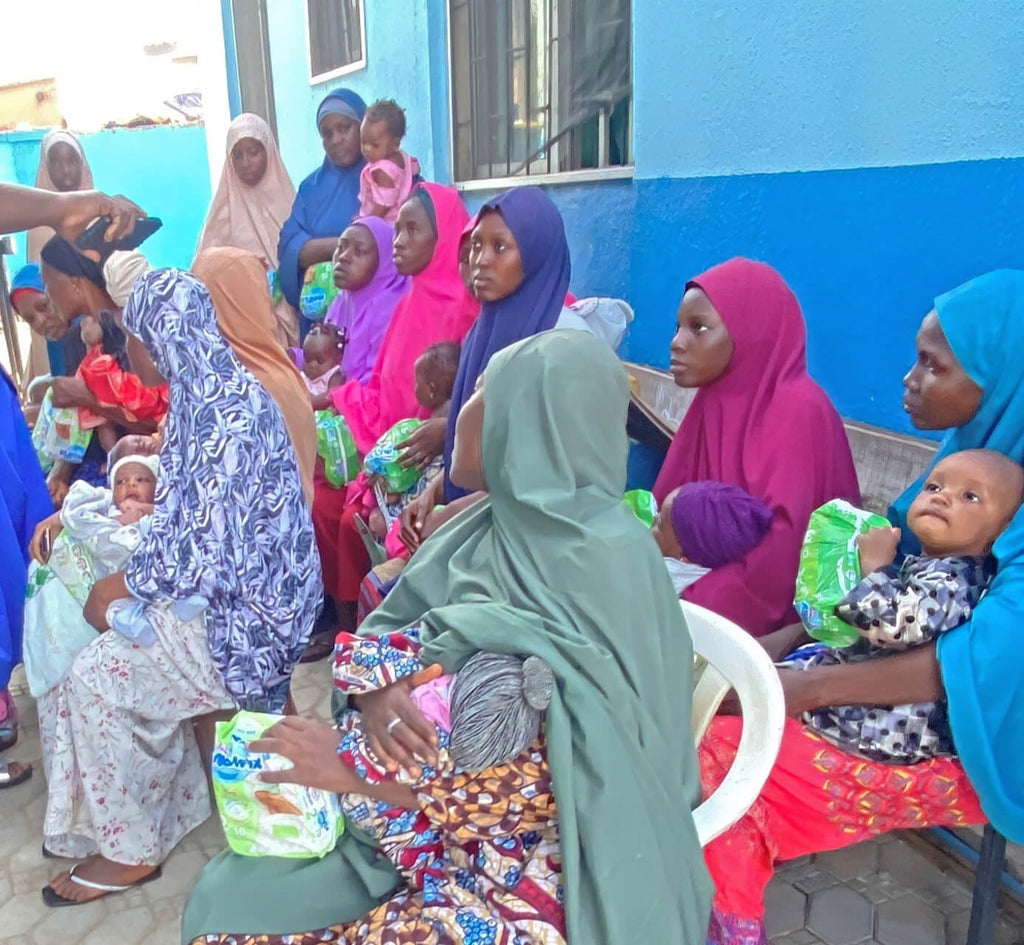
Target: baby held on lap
706, 525
966, 503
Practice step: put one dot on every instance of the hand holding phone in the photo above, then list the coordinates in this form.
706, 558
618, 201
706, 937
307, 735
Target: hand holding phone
91, 239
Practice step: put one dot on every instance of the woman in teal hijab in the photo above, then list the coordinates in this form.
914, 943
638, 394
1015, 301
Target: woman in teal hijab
968, 378
550, 564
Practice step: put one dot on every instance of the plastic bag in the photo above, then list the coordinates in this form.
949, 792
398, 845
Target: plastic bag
58, 434
641, 503
318, 291
262, 819
382, 460
830, 568
337, 448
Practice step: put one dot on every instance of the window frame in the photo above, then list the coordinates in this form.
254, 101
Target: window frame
341, 70
553, 178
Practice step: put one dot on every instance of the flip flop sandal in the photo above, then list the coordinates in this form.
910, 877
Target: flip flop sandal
55, 900
7, 781
319, 647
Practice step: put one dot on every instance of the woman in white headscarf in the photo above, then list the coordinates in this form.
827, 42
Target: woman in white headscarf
63, 168
253, 200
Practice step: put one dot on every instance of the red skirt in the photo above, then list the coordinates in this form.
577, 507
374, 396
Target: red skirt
817, 798
343, 555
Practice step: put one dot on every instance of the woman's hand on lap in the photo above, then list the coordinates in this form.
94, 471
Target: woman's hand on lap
312, 748
411, 741
425, 443
413, 519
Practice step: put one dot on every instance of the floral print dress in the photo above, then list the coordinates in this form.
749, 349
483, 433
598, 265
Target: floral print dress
481, 856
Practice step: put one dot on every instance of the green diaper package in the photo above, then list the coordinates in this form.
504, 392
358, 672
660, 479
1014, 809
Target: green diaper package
641, 503
318, 291
830, 568
262, 819
337, 448
382, 460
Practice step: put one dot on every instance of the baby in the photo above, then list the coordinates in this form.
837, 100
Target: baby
386, 181
705, 525
435, 372
967, 501
322, 352
100, 529
486, 714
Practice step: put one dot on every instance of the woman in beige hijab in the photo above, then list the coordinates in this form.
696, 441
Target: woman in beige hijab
253, 200
237, 284
63, 167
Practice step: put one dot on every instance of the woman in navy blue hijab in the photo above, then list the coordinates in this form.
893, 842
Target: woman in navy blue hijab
328, 199
533, 306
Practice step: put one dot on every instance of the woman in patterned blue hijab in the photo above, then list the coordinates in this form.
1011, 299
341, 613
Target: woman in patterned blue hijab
231, 525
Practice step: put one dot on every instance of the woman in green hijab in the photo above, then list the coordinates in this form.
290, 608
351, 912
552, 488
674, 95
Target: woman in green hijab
552, 564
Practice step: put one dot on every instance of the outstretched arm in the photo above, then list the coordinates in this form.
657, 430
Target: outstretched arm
24, 207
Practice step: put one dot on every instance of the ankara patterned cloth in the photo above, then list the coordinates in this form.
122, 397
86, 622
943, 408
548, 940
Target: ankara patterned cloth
231, 523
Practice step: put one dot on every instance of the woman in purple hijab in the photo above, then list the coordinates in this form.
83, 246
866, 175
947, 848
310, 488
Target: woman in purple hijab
371, 287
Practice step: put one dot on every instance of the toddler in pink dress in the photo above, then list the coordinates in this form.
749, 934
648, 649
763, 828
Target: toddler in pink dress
387, 179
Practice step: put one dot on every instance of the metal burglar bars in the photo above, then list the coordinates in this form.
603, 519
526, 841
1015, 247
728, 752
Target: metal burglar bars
540, 86
336, 37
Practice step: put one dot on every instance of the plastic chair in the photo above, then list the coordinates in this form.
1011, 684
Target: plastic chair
728, 658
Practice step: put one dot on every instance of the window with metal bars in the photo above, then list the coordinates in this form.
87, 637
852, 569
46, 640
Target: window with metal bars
336, 36
540, 86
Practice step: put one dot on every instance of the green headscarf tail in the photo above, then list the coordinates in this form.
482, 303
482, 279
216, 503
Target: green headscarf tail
554, 565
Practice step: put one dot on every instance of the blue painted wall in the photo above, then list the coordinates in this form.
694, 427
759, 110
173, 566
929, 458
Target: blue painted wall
400, 51
163, 169
872, 151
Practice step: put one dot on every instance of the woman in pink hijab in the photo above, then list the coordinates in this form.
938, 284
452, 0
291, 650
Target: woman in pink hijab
252, 201
436, 308
758, 422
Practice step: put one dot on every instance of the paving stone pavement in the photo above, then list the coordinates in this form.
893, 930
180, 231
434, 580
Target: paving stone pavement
881, 893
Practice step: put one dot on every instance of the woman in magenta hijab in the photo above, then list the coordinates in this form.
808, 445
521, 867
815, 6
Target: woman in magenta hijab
758, 422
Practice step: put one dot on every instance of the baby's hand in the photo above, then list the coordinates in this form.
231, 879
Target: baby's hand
877, 548
133, 511
377, 525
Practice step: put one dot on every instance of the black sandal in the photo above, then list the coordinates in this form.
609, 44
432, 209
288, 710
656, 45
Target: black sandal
6, 781
320, 646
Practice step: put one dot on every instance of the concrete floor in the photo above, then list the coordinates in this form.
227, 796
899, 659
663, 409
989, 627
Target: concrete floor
885, 891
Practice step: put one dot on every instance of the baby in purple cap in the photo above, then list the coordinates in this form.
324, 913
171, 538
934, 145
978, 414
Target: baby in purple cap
705, 525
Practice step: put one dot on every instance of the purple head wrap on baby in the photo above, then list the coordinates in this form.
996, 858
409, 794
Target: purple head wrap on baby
716, 523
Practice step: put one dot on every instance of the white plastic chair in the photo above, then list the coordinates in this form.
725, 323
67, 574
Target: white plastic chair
728, 658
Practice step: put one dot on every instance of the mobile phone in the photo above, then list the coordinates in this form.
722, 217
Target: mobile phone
92, 237
46, 544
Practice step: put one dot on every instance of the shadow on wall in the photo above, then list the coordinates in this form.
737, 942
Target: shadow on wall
163, 169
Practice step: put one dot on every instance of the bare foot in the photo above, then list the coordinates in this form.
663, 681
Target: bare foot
98, 869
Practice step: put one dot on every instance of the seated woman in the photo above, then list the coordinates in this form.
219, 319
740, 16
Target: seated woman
436, 308
758, 422
519, 270
535, 849
370, 289
241, 301
328, 199
967, 377
78, 288
252, 202
224, 589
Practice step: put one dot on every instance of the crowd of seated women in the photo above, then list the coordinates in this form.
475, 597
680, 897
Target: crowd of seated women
248, 555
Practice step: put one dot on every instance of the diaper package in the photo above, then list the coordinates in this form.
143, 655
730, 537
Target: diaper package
262, 819
830, 569
382, 460
58, 435
337, 448
318, 290
641, 503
